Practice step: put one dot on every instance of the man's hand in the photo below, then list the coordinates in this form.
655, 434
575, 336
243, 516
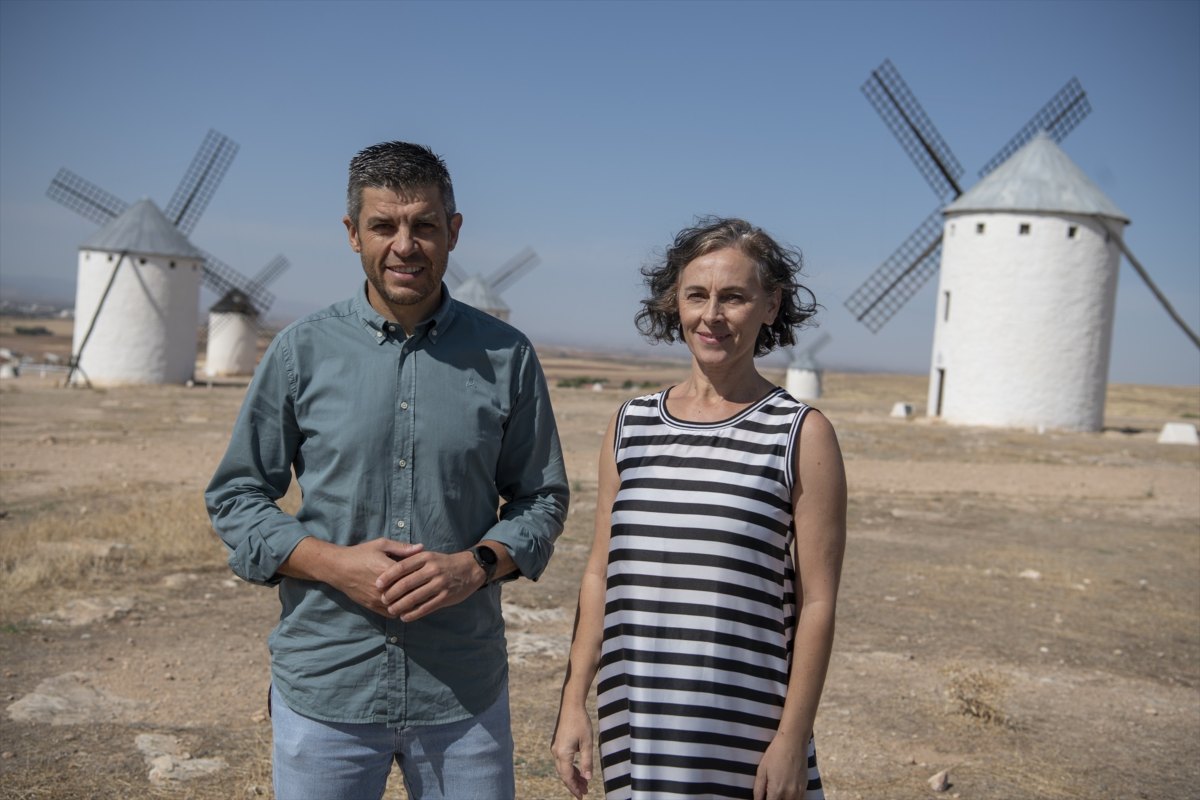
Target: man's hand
351, 570
423, 582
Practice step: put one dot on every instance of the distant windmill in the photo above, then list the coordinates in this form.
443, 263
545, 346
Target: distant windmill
1031, 273
235, 323
804, 375
139, 324
484, 292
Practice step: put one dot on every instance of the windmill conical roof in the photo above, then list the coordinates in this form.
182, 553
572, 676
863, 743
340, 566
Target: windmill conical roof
142, 229
234, 302
1038, 177
475, 292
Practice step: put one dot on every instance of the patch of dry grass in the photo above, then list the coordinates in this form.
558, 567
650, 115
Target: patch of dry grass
979, 694
69, 546
75, 546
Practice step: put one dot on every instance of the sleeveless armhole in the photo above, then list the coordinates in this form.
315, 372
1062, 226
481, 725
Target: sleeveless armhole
616, 443
793, 443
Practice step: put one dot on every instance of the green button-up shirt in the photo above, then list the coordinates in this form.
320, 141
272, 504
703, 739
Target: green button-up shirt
417, 439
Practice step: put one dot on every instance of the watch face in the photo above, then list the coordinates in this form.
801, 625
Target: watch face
486, 554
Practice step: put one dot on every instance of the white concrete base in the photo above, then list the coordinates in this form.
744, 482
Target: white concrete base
1179, 433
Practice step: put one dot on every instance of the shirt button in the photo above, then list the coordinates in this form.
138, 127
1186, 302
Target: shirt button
399, 523
393, 639
404, 404
402, 463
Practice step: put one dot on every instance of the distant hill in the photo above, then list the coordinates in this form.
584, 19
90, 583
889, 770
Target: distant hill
37, 289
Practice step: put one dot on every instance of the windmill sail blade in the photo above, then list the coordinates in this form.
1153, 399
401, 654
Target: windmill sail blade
274, 268
1057, 118
455, 272
820, 342
909, 123
221, 278
200, 181
510, 271
900, 277
84, 197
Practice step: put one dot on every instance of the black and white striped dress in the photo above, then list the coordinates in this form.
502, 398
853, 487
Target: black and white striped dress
699, 610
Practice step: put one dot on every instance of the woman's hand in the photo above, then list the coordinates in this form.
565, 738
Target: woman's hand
573, 736
783, 772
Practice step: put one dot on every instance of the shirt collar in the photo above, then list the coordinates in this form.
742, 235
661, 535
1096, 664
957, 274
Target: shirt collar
382, 328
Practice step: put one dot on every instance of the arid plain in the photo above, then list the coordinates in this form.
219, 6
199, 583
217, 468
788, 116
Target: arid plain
1020, 609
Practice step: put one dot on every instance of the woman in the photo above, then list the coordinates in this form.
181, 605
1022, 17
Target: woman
707, 604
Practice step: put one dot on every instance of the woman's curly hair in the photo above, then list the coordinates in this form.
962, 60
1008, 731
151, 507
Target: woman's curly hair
778, 268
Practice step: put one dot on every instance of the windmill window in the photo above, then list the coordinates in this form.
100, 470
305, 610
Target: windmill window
110, 258
1024, 229
1072, 231
141, 261
951, 228
172, 263
945, 306
979, 228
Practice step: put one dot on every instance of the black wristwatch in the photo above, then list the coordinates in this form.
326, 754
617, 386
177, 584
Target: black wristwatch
485, 557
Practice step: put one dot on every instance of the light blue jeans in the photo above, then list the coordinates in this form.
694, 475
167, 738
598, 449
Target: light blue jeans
467, 760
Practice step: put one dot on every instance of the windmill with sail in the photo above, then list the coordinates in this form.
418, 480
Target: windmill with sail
483, 291
235, 324
139, 278
804, 376
1028, 260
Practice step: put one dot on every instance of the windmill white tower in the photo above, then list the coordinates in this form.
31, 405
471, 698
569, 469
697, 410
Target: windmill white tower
133, 304
1026, 297
232, 347
1062, 289
146, 275
234, 325
804, 376
484, 292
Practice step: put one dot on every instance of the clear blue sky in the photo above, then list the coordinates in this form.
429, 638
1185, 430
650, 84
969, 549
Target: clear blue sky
592, 131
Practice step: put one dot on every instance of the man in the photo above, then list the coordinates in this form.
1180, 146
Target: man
407, 417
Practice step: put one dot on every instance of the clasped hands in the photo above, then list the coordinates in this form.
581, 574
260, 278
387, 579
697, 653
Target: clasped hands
404, 581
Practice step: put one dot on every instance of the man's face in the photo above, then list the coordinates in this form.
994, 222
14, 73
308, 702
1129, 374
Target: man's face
404, 241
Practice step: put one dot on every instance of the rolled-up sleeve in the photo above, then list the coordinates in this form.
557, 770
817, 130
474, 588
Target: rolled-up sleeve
255, 472
531, 477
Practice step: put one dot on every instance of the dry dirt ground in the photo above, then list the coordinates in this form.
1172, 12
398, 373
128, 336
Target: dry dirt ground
1022, 610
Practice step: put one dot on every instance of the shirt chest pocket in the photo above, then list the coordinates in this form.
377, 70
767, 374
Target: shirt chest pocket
465, 429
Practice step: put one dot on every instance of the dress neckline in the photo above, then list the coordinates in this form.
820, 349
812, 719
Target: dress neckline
678, 422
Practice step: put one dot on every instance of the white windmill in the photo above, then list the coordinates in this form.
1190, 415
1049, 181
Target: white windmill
804, 376
1029, 274
145, 274
137, 293
483, 292
1029, 263
234, 325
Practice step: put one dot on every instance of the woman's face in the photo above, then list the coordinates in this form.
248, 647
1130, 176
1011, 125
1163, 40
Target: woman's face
722, 307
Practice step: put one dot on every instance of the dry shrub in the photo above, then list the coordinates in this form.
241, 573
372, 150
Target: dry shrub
69, 546
978, 694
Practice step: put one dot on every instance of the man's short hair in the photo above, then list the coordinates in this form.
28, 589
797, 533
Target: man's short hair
398, 166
